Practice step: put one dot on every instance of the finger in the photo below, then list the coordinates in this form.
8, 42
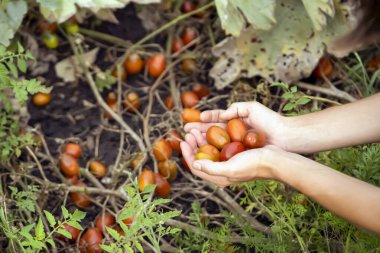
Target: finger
218, 180
202, 127
236, 110
187, 153
211, 116
213, 168
191, 141
198, 137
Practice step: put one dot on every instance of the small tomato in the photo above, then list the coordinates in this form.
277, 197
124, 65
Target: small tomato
162, 150
231, 149
217, 137
168, 169
236, 129
254, 139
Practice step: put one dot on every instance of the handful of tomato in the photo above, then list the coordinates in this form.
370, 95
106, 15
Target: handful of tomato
226, 143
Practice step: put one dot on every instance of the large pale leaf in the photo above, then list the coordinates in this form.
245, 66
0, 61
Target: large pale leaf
317, 10
11, 19
258, 13
288, 51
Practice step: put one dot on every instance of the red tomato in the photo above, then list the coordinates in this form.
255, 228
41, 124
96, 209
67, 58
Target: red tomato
134, 64
188, 35
73, 231
132, 101
41, 99
189, 65
91, 240
105, 220
128, 221
45, 26
162, 150
146, 177
374, 63
324, 68
201, 90
189, 99
254, 139
69, 165
236, 129
217, 137
169, 103
162, 186
79, 198
156, 65
209, 152
188, 6
123, 74
191, 115
174, 138
72, 149
177, 45
168, 169
98, 169
230, 150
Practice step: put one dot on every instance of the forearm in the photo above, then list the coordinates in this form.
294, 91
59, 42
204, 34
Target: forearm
340, 126
350, 198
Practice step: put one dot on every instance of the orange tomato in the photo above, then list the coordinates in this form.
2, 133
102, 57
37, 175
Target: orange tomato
209, 152
134, 64
156, 65
162, 186
231, 149
69, 165
174, 138
189, 99
104, 220
201, 90
168, 169
169, 103
177, 45
72, 149
91, 240
41, 99
146, 178
254, 139
128, 221
98, 169
236, 129
324, 68
79, 198
191, 115
132, 101
188, 35
113, 107
111, 98
162, 150
217, 137
189, 65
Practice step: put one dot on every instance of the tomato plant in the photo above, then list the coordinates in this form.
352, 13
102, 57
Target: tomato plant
41, 99
162, 150
209, 152
191, 115
104, 220
201, 90
189, 65
217, 137
79, 198
324, 68
174, 139
134, 64
169, 103
72, 149
98, 169
146, 178
156, 65
231, 149
189, 99
188, 35
162, 186
168, 169
132, 101
50, 40
91, 240
69, 165
236, 129
254, 139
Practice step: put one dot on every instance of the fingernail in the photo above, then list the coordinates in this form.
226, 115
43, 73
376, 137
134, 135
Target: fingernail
197, 166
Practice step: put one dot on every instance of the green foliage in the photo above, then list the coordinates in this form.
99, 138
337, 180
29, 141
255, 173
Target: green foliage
11, 16
148, 221
105, 80
25, 199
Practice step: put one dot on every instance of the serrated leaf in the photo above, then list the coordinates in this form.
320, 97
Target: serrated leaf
11, 66
65, 212
75, 224
40, 231
289, 107
230, 17
303, 101
21, 64
148, 189
51, 242
50, 218
288, 95
279, 84
107, 248
113, 233
65, 233
318, 11
139, 246
293, 89
78, 215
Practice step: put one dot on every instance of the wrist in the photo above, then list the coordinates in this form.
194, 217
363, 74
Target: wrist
271, 163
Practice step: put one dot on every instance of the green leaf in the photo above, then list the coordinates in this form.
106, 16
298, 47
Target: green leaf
40, 231
50, 219
10, 19
65, 233
288, 95
289, 107
65, 212
148, 189
279, 84
107, 248
293, 89
303, 101
139, 247
230, 17
75, 224
113, 233
78, 215
12, 68
318, 10
51, 242
21, 64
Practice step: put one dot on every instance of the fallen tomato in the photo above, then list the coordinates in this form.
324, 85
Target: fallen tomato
132, 101
91, 240
134, 64
79, 198
98, 169
69, 165
254, 139
177, 45
174, 139
236, 129
50, 40
188, 35
41, 99
374, 63
188, 6
136, 161
104, 220
189, 65
45, 26
324, 68
217, 137
191, 115
230, 150
189, 99
162, 150
201, 90
169, 103
168, 169
162, 186
156, 65
146, 178
72, 149
123, 74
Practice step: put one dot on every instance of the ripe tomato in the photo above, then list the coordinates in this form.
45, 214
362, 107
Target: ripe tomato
69, 165
217, 137
156, 65
189, 99
79, 198
73, 231
177, 45
188, 35
98, 169
128, 221
123, 74
230, 150
162, 150
168, 169
184, 163
174, 138
91, 240
132, 101
191, 115
104, 220
374, 63
189, 66
134, 64
111, 98
41, 99
209, 152
146, 177
136, 161
72, 149
324, 68
188, 6
45, 26
254, 139
169, 103
50, 40
236, 129
201, 90
162, 186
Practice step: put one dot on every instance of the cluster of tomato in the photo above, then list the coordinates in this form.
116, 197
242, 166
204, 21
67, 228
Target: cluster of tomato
49, 31
69, 166
226, 143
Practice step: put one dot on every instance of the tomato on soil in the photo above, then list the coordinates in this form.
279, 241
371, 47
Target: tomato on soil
177, 44
162, 150
169, 103
50, 40
217, 137
188, 35
72, 149
168, 169
146, 178
98, 169
136, 161
132, 101
189, 99
156, 65
91, 240
324, 68
188, 6
201, 90
174, 139
189, 66
123, 74
162, 186
69, 165
104, 220
79, 198
45, 26
134, 64
41, 99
